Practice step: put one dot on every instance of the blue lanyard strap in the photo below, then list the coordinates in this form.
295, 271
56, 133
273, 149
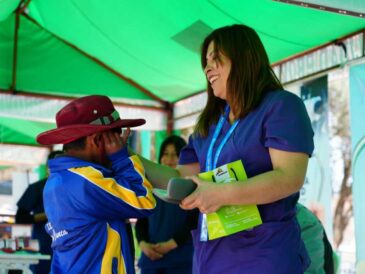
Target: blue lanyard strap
209, 166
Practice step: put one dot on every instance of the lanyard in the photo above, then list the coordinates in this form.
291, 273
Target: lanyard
209, 165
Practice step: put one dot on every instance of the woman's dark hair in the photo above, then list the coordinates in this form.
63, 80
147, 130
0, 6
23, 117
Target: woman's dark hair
177, 141
250, 77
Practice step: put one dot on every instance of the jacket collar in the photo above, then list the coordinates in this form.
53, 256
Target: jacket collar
63, 162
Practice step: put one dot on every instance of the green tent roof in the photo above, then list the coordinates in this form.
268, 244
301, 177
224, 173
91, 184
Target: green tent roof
155, 44
141, 52
17, 131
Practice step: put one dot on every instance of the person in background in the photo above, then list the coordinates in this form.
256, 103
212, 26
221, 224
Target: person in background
248, 120
93, 188
164, 237
316, 242
31, 211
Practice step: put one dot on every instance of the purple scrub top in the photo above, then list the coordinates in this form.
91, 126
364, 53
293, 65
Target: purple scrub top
280, 122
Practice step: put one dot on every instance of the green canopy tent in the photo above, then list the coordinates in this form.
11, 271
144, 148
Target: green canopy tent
13, 130
140, 53
143, 54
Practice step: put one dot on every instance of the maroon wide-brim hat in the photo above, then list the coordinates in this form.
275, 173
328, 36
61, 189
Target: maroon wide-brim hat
85, 116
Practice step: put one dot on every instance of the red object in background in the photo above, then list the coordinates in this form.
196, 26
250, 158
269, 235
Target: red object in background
8, 250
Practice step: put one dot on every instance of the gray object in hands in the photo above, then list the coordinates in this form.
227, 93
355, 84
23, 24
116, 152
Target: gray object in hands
177, 190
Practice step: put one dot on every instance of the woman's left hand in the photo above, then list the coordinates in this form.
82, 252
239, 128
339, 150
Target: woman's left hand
207, 197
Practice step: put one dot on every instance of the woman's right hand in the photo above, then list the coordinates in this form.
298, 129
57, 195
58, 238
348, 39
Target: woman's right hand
207, 197
149, 250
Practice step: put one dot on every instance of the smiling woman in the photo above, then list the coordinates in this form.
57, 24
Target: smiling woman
247, 123
217, 70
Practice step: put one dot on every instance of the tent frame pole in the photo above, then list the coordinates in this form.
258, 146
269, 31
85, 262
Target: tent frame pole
24, 6
20, 9
69, 98
334, 42
169, 108
322, 7
96, 60
15, 51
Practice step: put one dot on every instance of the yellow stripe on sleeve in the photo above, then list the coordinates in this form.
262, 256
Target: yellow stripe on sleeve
138, 166
112, 187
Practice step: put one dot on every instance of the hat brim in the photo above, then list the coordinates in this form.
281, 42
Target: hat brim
67, 134
162, 194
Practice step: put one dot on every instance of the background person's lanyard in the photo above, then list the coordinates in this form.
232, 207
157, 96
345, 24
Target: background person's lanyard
211, 163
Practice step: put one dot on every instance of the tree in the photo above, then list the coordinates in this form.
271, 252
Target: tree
339, 126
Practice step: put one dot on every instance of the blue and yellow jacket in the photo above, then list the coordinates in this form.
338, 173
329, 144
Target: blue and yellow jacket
87, 205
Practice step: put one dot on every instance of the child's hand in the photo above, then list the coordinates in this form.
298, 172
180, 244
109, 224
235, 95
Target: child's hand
113, 141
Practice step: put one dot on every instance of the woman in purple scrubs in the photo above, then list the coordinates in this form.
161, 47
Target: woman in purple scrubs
248, 117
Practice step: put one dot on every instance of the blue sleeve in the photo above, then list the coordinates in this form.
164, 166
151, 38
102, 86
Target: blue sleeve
287, 125
188, 153
127, 194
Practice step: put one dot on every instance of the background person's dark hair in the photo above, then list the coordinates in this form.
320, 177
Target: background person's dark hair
250, 77
77, 144
178, 143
